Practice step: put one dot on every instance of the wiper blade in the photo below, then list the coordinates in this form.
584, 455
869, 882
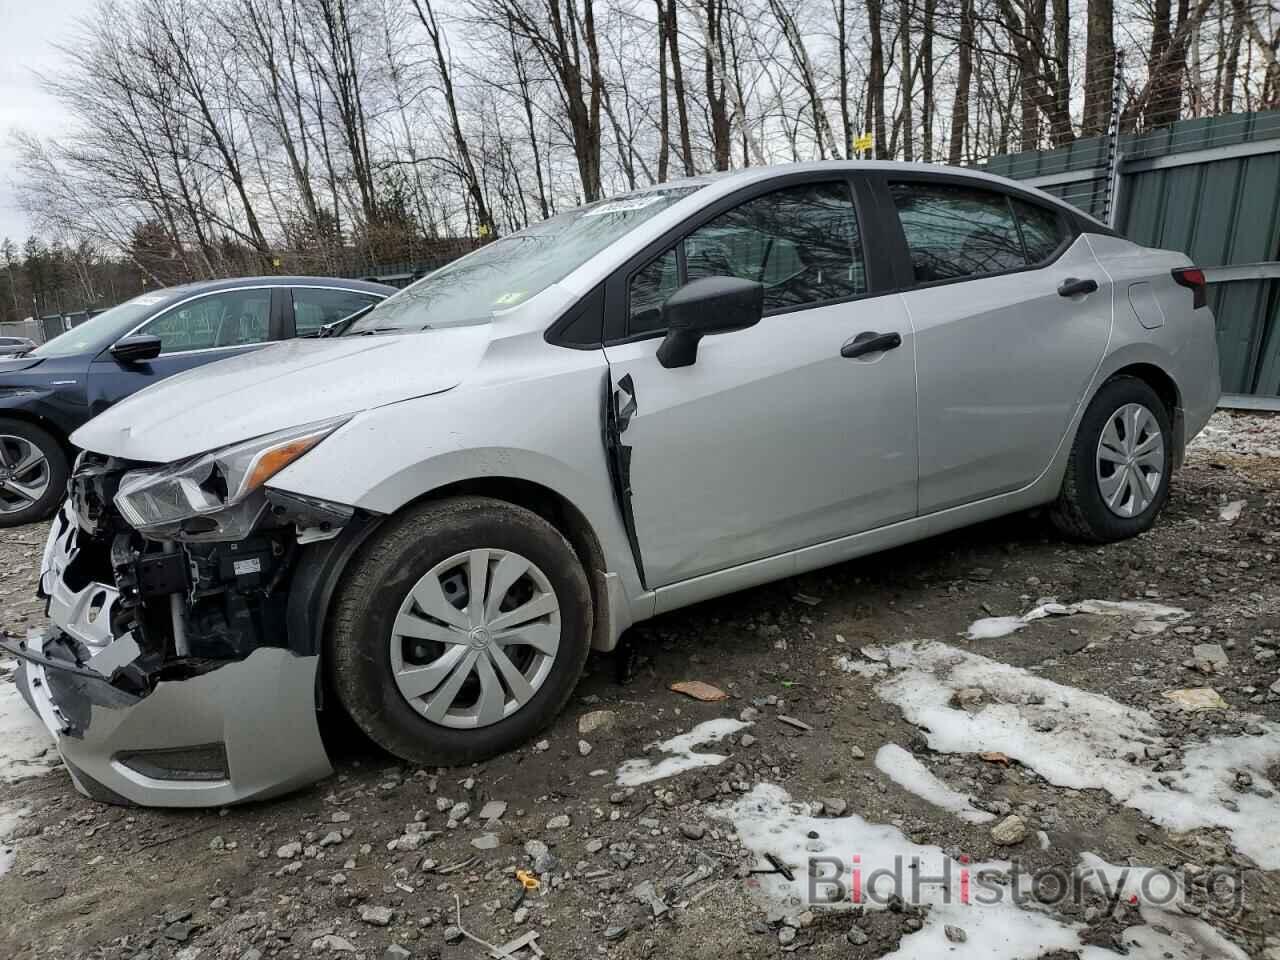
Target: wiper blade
336, 328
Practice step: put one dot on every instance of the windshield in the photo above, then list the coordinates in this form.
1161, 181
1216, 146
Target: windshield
509, 271
106, 328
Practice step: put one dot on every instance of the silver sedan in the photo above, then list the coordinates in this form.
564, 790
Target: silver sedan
429, 518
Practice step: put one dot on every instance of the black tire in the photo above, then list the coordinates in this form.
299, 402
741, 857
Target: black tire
1080, 512
378, 580
58, 470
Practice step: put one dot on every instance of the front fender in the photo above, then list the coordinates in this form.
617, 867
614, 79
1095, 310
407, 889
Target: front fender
543, 430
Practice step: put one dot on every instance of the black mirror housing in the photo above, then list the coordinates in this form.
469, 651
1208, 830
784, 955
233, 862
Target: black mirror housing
137, 348
706, 306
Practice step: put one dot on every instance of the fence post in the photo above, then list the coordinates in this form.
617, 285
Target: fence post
1111, 198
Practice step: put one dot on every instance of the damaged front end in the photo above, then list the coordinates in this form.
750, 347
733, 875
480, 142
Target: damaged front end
181, 667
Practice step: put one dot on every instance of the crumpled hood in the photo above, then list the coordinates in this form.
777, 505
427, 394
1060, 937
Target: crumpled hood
280, 386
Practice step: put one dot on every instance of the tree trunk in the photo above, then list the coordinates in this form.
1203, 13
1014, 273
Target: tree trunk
875, 80
1099, 68
677, 81
964, 77
904, 71
926, 81
664, 112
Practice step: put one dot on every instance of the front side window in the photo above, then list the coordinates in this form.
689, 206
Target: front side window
649, 287
229, 319
956, 231
802, 243
313, 307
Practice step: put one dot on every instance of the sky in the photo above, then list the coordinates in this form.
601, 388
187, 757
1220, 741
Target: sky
28, 31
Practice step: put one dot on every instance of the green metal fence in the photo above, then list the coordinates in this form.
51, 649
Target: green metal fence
1210, 188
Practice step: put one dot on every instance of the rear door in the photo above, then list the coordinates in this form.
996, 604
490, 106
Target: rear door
192, 333
1006, 344
771, 440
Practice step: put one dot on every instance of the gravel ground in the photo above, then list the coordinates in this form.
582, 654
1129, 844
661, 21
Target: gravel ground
821, 672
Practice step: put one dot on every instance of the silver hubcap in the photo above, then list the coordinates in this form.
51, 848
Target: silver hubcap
475, 638
1130, 460
24, 473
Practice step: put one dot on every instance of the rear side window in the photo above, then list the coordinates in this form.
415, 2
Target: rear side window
314, 307
1043, 231
802, 243
954, 232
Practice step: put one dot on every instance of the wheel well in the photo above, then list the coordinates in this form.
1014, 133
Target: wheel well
561, 514
23, 416
1157, 380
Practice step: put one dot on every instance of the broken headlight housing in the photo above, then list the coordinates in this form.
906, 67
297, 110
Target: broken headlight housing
216, 495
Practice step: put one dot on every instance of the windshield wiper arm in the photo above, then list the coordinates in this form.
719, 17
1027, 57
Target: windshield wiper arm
338, 326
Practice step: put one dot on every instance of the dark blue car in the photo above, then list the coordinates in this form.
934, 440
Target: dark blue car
49, 391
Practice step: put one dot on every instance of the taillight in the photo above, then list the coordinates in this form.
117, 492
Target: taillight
1193, 279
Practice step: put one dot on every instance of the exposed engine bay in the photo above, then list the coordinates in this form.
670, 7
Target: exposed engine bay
189, 602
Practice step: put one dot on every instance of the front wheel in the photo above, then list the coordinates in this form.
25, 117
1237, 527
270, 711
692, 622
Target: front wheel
1117, 479
460, 631
33, 473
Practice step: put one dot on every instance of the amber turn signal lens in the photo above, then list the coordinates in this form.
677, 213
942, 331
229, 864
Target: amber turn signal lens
276, 459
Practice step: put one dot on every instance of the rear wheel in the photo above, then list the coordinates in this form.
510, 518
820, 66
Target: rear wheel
1117, 479
460, 631
33, 473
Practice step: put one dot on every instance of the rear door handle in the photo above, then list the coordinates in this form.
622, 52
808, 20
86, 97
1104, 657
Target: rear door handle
1073, 287
870, 342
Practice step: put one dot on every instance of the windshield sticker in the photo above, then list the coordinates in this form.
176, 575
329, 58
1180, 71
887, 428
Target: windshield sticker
507, 299
623, 206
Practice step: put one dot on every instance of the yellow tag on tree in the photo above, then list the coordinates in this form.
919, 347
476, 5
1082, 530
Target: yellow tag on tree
863, 142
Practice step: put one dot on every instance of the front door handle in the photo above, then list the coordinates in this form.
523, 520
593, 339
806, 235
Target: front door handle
870, 342
1073, 287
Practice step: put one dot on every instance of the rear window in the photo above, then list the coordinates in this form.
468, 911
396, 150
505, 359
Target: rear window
1043, 231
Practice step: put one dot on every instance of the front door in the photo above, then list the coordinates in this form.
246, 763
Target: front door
192, 333
772, 440
1003, 357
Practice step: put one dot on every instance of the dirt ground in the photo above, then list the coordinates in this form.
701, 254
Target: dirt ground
370, 862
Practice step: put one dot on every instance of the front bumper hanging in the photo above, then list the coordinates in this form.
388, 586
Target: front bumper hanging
226, 732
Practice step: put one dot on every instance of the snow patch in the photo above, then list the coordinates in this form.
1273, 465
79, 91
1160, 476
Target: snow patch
863, 668
1231, 511
1148, 618
1244, 434
9, 817
26, 748
768, 821
632, 773
906, 771
1081, 740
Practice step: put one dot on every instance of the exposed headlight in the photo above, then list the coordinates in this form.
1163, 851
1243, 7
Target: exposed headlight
214, 482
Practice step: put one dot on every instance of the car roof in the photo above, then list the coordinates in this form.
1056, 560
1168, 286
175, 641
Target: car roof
236, 283
731, 179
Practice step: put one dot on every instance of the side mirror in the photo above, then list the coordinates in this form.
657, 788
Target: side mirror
709, 305
135, 349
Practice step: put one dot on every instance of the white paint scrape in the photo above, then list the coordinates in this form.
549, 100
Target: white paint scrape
26, 748
767, 821
906, 771
1147, 618
1082, 740
681, 755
